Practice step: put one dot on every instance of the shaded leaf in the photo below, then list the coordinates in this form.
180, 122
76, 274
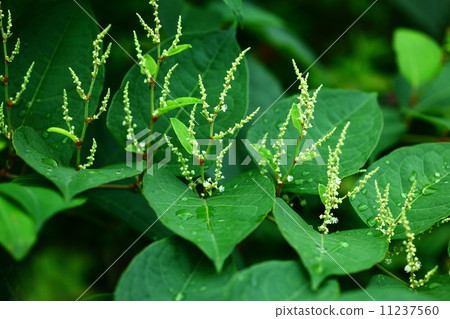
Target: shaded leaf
277, 281
64, 38
172, 269
23, 211
343, 252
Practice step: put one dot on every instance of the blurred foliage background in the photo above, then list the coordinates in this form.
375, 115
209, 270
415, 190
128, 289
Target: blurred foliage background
75, 247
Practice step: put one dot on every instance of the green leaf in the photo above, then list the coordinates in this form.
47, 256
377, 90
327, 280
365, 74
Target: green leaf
265, 154
213, 55
17, 230
295, 115
435, 97
34, 151
392, 132
384, 288
64, 39
181, 101
23, 211
150, 64
216, 225
277, 281
178, 49
139, 215
334, 108
418, 56
182, 133
235, 6
339, 253
172, 269
428, 164
322, 190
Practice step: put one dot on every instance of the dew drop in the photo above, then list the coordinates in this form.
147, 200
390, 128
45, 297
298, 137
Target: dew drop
265, 121
45, 134
279, 124
310, 180
362, 207
184, 214
437, 174
387, 162
64, 141
428, 191
22, 113
203, 288
371, 221
374, 206
413, 176
364, 191
344, 244
299, 181
47, 116
399, 204
369, 233
28, 105
183, 199
306, 173
434, 285
50, 162
403, 195
119, 172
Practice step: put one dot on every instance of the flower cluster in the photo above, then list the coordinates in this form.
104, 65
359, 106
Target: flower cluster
202, 155
306, 101
385, 220
152, 33
97, 61
330, 196
91, 156
165, 90
6, 32
128, 121
387, 224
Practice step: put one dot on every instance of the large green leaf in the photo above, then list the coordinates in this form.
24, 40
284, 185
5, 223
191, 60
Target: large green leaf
383, 288
429, 165
139, 215
55, 35
17, 231
436, 96
216, 225
334, 109
31, 147
277, 281
418, 56
172, 269
211, 56
339, 253
23, 211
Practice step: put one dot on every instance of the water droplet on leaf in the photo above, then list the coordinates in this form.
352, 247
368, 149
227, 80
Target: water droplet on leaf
45, 134
344, 244
362, 207
437, 174
22, 113
371, 221
305, 173
387, 162
50, 162
183, 199
47, 116
184, 214
369, 233
299, 181
179, 296
364, 191
428, 191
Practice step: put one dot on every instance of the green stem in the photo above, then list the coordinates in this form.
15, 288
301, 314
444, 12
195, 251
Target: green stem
390, 273
283, 180
8, 108
86, 115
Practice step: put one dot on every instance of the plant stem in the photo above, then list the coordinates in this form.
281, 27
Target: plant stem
8, 106
297, 151
86, 115
390, 273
